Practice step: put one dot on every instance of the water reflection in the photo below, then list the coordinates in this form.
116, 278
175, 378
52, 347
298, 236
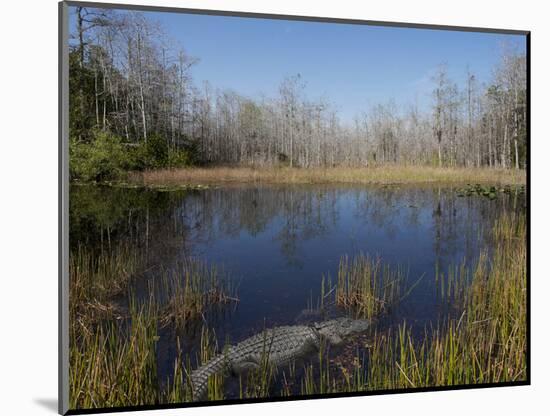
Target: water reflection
277, 242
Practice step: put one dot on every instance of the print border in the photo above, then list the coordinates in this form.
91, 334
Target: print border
63, 202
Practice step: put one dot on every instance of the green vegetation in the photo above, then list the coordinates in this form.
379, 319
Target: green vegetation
321, 375
95, 280
485, 344
106, 157
178, 388
116, 365
488, 191
113, 349
110, 366
112, 359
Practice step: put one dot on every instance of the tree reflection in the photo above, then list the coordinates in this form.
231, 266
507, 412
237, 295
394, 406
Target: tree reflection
172, 224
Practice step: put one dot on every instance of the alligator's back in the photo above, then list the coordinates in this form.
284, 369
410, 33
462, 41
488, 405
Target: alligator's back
277, 345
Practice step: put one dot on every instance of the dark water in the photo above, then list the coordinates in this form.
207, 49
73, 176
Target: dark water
278, 242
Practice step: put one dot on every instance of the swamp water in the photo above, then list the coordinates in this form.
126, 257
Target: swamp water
276, 243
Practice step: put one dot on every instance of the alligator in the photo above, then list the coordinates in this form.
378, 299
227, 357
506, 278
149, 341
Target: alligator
279, 345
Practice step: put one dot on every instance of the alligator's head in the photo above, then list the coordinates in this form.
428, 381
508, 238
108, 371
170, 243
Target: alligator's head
336, 330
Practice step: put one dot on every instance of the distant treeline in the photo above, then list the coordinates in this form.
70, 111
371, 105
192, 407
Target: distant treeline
130, 84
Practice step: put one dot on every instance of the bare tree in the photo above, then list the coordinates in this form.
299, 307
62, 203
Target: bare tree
131, 80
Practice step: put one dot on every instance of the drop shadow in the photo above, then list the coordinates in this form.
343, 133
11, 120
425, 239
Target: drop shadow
49, 404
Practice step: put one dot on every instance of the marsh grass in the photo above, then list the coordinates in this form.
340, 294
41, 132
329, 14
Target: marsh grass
319, 374
95, 279
486, 344
288, 379
116, 364
317, 378
101, 275
191, 289
208, 349
452, 287
256, 383
484, 341
113, 357
366, 287
325, 375
179, 389
259, 381
387, 174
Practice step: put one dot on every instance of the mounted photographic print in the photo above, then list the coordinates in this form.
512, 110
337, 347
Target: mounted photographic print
264, 207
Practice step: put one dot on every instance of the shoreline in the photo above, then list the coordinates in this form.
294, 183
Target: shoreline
386, 175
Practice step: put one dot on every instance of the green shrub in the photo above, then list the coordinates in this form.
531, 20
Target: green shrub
136, 157
180, 159
156, 152
104, 158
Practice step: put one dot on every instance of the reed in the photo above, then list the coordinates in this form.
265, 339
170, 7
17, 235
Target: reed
95, 279
486, 344
116, 364
452, 287
317, 377
208, 349
179, 388
101, 275
366, 287
288, 379
192, 288
112, 358
325, 376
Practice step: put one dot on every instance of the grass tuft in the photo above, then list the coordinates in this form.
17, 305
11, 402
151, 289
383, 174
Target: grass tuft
367, 287
191, 289
116, 364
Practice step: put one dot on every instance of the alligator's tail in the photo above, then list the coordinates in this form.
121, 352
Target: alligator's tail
200, 376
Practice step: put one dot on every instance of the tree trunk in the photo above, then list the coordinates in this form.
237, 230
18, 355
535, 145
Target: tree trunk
504, 147
141, 95
96, 98
516, 152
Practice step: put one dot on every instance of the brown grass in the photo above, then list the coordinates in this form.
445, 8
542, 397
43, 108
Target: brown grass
382, 175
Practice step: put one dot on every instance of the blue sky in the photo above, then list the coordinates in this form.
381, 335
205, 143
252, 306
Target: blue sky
354, 66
